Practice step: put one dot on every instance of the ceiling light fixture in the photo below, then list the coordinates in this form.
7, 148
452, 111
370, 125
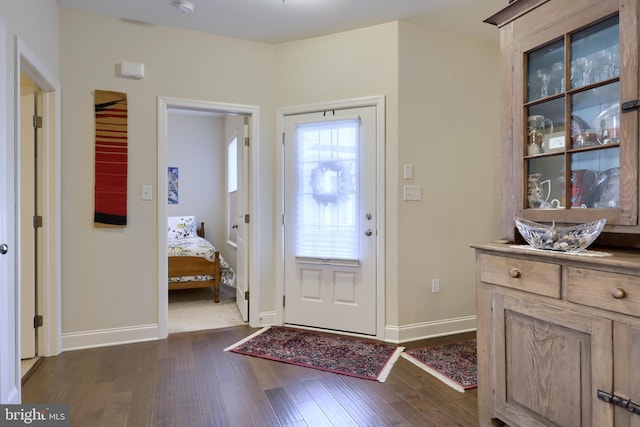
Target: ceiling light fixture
184, 7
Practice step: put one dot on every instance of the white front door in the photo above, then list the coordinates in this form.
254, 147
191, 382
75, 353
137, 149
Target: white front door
330, 224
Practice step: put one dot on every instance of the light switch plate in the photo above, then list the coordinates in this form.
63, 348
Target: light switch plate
408, 171
147, 192
412, 192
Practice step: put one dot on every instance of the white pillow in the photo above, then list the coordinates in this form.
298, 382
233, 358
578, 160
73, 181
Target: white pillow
179, 227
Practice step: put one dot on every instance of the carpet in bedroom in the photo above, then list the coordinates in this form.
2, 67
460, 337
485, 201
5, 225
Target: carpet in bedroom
194, 309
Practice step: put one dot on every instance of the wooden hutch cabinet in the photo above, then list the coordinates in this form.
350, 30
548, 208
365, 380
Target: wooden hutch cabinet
559, 333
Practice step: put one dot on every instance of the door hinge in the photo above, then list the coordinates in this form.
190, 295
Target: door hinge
613, 399
247, 218
284, 300
246, 295
37, 221
37, 321
282, 138
246, 131
37, 122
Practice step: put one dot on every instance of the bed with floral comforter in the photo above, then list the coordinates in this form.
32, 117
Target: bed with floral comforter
193, 261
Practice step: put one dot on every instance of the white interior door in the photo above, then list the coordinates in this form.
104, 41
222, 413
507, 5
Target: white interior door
330, 227
9, 363
28, 209
242, 260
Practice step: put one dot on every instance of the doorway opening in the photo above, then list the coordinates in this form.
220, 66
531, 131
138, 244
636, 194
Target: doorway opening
30, 144
38, 200
201, 174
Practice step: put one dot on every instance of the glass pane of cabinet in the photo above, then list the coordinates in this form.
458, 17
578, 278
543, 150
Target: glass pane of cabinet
546, 75
572, 121
595, 54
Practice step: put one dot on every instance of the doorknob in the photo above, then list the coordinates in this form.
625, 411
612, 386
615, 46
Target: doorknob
4, 248
234, 226
368, 232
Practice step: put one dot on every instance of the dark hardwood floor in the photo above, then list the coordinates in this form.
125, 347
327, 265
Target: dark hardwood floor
188, 380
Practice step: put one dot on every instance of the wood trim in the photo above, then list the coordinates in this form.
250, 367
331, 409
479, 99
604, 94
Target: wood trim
515, 9
509, 195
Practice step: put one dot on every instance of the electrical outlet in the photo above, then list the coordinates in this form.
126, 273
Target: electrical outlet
412, 192
435, 285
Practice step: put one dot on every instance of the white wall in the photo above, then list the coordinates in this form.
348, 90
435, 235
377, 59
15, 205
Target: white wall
351, 64
196, 147
449, 131
442, 117
110, 281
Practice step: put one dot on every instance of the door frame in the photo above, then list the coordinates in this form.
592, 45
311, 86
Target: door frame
164, 104
49, 341
50, 301
374, 101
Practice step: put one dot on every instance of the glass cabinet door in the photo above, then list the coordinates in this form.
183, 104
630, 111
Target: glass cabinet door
572, 125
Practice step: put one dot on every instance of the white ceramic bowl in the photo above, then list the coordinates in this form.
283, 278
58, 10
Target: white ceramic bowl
570, 239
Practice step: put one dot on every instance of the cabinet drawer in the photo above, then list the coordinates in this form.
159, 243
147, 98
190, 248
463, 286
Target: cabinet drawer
532, 276
610, 291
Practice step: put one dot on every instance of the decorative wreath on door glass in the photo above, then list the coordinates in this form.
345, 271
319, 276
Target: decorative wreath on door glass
328, 190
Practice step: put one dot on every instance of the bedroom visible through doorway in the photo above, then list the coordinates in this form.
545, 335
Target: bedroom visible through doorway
193, 137
198, 172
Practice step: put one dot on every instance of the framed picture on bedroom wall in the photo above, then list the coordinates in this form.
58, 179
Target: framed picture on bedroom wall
172, 176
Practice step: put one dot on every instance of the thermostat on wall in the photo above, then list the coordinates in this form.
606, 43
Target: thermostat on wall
131, 70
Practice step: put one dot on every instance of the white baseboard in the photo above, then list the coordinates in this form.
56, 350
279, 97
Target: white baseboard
419, 331
406, 333
267, 318
394, 334
107, 337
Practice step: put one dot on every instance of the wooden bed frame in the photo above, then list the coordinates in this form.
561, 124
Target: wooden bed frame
196, 266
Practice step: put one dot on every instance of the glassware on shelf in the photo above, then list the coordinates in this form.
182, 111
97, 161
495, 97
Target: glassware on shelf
538, 128
607, 189
545, 79
545, 71
572, 114
536, 194
595, 116
595, 53
607, 125
583, 182
595, 178
557, 77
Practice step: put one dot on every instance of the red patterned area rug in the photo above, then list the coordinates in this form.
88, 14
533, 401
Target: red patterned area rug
454, 364
355, 357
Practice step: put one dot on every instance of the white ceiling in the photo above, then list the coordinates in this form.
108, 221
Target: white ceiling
276, 21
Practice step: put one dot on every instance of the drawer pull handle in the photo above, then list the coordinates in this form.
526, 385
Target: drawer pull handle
515, 272
618, 293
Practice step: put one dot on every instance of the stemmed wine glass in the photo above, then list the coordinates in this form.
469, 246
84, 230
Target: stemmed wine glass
557, 71
545, 79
